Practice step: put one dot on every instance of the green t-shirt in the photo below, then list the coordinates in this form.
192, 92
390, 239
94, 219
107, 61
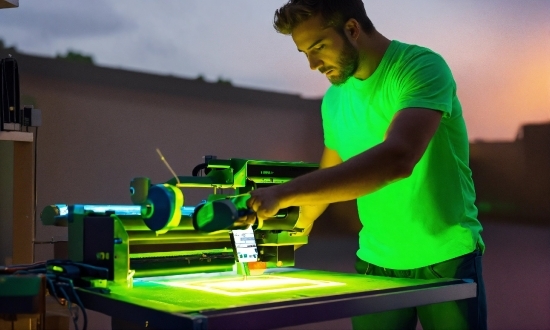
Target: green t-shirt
430, 216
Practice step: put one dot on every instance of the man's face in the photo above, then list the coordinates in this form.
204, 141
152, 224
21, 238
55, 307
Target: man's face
326, 50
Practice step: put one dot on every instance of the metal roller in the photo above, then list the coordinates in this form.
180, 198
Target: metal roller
162, 211
130, 215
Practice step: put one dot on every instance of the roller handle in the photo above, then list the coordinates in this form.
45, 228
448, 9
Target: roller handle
220, 214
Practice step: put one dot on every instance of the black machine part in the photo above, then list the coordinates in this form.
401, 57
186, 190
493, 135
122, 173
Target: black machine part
10, 112
218, 215
222, 214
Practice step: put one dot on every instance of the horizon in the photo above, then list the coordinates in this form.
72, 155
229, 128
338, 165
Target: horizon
498, 50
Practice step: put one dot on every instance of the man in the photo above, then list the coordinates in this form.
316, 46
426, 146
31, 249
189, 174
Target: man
396, 141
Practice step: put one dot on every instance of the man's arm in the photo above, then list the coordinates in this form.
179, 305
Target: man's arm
310, 213
406, 141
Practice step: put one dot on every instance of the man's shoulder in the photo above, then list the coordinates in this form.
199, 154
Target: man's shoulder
408, 48
406, 52
416, 57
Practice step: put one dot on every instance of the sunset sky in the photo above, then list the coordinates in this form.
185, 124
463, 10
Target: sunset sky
499, 50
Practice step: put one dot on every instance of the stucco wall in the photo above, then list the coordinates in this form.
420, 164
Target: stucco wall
95, 139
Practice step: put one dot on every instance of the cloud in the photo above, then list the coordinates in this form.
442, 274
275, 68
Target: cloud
44, 21
496, 48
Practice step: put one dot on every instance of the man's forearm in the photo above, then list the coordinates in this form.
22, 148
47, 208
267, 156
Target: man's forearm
406, 140
360, 175
308, 215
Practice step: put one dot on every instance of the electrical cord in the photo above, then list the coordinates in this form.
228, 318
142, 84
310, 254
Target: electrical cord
35, 191
66, 282
60, 277
197, 169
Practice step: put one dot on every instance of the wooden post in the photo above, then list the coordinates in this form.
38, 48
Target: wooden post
17, 193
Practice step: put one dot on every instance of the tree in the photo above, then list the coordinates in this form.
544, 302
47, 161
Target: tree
224, 81
74, 56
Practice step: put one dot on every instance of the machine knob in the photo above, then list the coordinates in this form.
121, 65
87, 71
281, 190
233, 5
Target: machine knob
162, 211
139, 189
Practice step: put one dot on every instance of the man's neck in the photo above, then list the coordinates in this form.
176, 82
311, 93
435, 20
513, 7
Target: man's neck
372, 48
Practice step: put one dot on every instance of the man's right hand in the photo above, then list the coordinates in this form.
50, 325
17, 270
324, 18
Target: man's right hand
265, 202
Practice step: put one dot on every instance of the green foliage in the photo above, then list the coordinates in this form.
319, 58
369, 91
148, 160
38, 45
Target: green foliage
3, 46
224, 81
74, 56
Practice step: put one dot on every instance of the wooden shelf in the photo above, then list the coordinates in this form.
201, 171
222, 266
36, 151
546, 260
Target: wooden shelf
16, 136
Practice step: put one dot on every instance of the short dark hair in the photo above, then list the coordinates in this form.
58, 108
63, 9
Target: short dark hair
334, 12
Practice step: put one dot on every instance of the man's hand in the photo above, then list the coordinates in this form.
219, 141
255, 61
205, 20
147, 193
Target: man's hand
265, 202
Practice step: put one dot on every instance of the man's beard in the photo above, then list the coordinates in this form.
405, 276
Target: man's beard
348, 62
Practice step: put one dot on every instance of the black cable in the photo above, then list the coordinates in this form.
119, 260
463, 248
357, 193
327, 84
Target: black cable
79, 303
40, 263
4, 78
198, 168
53, 291
35, 190
57, 281
69, 305
37, 269
5, 93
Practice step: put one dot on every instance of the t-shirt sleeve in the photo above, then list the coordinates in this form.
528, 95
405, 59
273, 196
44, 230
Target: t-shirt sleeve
427, 82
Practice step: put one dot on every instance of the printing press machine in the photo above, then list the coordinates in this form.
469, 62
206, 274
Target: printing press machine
168, 270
